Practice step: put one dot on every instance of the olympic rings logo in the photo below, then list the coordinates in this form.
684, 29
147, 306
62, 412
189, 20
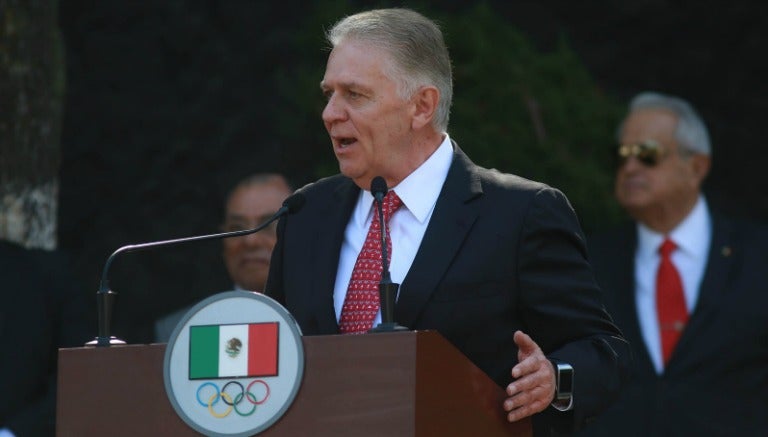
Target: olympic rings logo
231, 400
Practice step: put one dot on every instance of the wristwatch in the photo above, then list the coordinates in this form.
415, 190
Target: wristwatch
563, 380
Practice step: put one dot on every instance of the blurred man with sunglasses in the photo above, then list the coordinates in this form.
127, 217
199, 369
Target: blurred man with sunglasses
686, 286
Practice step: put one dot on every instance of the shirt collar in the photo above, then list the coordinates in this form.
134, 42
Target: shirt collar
687, 235
419, 190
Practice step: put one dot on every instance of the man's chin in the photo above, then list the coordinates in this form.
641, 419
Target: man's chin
250, 286
638, 211
634, 200
252, 282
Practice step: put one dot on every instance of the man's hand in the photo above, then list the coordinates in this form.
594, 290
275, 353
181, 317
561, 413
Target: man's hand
534, 386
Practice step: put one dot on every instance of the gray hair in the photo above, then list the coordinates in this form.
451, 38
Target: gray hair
416, 46
691, 132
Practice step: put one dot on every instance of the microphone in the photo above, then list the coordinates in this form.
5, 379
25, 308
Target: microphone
105, 298
387, 288
379, 190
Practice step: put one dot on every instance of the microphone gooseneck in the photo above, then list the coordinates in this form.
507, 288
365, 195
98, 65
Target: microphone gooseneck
105, 298
291, 205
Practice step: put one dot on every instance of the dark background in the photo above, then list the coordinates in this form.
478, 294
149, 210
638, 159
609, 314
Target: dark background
169, 102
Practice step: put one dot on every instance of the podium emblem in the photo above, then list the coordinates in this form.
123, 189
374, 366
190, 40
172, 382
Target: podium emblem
234, 364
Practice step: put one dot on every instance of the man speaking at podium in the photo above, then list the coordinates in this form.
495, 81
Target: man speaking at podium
495, 263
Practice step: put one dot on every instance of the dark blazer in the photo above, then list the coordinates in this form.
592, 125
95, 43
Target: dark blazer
501, 253
716, 380
40, 311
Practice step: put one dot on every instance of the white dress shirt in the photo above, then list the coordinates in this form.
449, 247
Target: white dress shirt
419, 192
692, 237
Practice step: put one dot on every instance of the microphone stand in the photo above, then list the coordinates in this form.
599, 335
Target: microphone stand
387, 289
105, 298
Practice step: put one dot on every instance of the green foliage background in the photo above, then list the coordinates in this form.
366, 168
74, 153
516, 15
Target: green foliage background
538, 115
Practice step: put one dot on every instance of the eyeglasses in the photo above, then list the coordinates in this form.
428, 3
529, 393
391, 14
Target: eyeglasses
648, 152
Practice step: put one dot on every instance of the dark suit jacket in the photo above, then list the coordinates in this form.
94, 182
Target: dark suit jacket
40, 311
501, 253
716, 380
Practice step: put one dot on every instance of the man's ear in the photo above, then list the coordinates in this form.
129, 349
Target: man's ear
701, 165
425, 103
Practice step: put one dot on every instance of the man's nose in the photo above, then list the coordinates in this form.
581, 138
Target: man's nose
631, 164
334, 110
256, 238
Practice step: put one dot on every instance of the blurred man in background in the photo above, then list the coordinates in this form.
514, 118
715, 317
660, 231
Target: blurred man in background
685, 285
251, 202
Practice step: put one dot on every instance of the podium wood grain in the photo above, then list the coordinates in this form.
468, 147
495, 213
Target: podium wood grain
399, 384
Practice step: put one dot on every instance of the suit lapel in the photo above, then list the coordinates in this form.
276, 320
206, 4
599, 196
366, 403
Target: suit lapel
325, 249
714, 285
450, 223
719, 264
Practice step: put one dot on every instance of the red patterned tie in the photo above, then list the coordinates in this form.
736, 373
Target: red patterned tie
670, 300
362, 302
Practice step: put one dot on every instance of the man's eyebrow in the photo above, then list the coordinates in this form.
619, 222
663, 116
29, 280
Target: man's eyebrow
345, 85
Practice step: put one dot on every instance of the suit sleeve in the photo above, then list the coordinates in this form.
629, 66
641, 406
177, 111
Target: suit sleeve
563, 310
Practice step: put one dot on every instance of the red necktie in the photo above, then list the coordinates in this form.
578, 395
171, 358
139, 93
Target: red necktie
670, 300
362, 301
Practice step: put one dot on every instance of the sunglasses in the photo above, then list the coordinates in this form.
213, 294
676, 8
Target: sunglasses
648, 152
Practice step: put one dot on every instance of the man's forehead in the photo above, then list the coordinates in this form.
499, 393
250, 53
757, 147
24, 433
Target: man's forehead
650, 123
356, 56
257, 199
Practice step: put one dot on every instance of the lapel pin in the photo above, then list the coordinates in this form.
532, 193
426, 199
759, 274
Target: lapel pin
726, 251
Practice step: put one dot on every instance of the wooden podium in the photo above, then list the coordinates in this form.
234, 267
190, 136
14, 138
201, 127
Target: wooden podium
412, 383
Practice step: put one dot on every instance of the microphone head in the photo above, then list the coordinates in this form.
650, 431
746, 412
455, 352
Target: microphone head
379, 187
294, 203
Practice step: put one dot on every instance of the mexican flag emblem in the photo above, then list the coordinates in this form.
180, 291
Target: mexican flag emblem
233, 351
